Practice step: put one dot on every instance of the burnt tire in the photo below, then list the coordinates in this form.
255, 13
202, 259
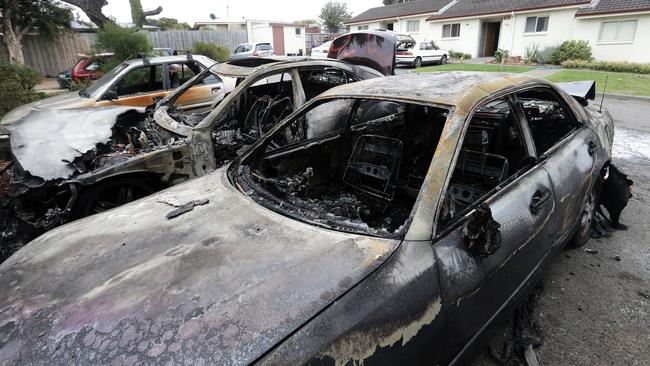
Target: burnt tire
113, 193
417, 63
586, 219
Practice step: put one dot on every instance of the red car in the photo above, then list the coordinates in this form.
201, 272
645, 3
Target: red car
89, 67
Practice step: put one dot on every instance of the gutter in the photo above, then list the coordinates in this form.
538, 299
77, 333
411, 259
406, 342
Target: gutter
505, 12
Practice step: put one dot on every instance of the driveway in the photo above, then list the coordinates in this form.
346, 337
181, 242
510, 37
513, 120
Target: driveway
595, 308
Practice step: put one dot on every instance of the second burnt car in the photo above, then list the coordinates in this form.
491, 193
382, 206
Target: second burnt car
389, 221
69, 164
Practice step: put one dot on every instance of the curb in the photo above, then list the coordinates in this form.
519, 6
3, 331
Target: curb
622, 96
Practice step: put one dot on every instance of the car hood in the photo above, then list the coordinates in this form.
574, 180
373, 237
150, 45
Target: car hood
224, 282
62, 101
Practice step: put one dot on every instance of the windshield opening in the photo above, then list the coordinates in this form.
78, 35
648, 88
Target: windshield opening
103, 81
349, 164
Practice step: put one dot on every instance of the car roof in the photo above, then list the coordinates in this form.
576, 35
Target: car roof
460, 89
163, 59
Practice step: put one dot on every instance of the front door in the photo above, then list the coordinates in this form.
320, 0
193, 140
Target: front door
278, 40
491, 169
492, 31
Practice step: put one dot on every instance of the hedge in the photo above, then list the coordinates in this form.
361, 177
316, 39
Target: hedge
617, 66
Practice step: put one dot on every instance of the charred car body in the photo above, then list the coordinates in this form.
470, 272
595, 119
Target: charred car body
389, 221
72, 163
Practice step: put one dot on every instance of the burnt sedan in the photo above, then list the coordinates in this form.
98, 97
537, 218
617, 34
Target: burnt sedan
72, 163
389, 221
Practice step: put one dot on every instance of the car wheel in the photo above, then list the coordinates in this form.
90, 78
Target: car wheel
417, 63
113, 193
443, 59
586, 220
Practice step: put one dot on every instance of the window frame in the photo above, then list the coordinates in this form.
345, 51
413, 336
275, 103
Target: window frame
113, 87
451, 31
414, 24
362, 27
509, 95
618, 27
298, 31
535, 31
565, 105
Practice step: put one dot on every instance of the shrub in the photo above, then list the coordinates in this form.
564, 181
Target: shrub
16, 84
608, 66
215, 52
573, 50
124, 42
467, 56
454, 54
501, 54
536, 55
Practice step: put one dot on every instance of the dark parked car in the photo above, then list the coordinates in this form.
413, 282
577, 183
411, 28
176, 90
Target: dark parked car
389, 221
99, 158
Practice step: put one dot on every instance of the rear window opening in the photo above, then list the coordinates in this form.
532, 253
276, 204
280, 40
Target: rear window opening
348, 164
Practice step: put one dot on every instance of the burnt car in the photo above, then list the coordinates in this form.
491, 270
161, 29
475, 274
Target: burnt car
389, 221
69, 164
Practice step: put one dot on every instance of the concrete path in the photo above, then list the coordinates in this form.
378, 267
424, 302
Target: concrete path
49, 86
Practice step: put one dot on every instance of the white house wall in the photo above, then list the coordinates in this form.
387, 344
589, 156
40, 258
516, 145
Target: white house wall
292, 42
561, 27
470, 33
635, 51
259, 32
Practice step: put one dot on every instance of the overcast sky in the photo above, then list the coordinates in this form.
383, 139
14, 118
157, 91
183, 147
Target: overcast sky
199, 10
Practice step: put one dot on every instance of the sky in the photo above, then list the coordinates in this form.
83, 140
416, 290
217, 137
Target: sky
191, 11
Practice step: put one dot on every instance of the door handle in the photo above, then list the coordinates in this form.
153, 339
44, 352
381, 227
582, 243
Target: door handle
540, 198
592, 147
216, 88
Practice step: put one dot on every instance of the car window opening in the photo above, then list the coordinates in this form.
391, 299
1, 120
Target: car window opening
548, 120
493, 151
354, 165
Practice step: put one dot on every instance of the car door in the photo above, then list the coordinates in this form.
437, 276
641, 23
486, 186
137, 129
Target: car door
566, 150
493, 169
137, 88
199, 96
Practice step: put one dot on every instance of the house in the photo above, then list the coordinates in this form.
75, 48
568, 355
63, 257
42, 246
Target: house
616, 29
286, 38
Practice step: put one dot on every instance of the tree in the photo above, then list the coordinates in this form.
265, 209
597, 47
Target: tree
391, 2
125, 43
139, 16
22, 16
306, 22
93, 10
333, 14
168, 24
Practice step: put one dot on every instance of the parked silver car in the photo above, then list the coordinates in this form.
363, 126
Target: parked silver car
244, 50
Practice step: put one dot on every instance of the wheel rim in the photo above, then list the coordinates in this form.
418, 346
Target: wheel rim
418, 63
587, 215
444, 59
112, 197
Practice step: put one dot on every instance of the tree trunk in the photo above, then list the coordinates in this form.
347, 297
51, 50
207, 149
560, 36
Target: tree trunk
93, 10
12, 39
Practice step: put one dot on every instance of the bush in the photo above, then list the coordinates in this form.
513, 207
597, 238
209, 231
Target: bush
501, 54
454, 54
124, 42
16, 84
573, 50
215, 52
536, 55
608, 66
467, 56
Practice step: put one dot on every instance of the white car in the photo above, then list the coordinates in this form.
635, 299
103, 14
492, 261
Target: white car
244, 50
416, 53
321, 51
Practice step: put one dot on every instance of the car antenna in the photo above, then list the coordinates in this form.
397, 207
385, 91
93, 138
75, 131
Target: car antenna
602, 99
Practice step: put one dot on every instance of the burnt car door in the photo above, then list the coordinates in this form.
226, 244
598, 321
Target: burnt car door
138, 88
566, 150
496, 224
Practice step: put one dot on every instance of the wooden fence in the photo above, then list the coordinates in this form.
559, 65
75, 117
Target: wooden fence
50, 57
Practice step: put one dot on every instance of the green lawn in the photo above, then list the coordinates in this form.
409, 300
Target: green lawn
473, 67
617, 83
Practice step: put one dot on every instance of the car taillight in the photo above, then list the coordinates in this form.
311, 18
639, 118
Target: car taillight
403, 53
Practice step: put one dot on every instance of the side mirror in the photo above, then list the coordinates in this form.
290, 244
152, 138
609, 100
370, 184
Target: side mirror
110, 94
481, 233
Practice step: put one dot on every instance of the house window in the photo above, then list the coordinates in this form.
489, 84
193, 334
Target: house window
298, 31
536, 24
618, 31
413, 26
362, 27
451, 30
